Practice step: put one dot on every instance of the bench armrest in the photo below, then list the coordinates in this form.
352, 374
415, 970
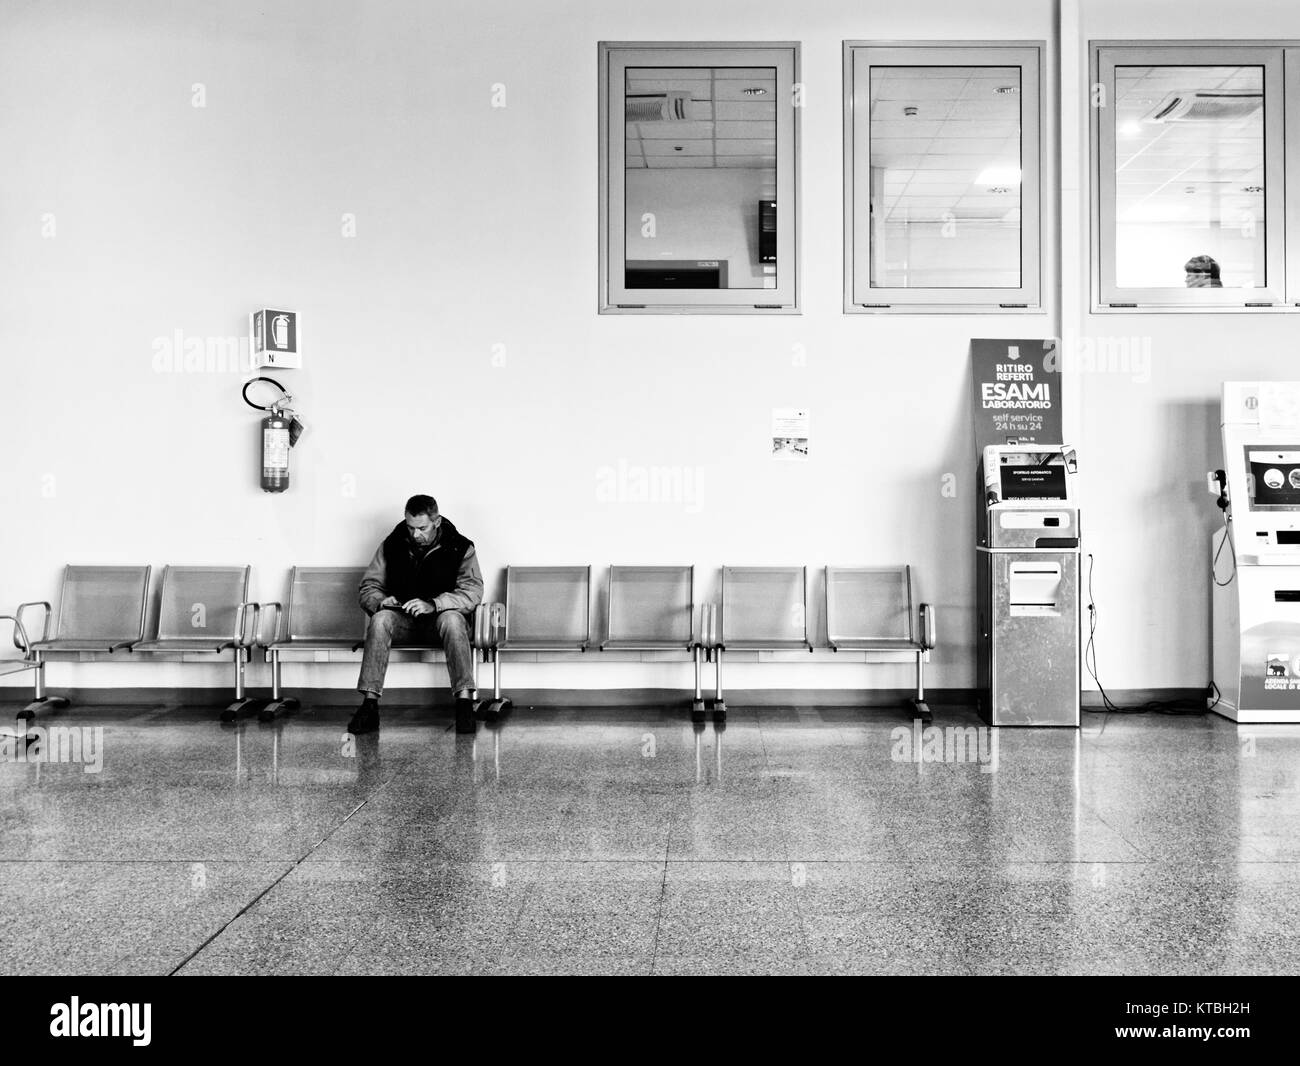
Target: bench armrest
708, 631
258, 639
489, 625
927, 627
20, 634
18, 617
241, 620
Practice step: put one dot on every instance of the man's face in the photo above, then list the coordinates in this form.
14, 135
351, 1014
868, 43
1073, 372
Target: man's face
420, 528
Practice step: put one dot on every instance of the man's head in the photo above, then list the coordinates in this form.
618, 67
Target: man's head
422, 520
1202, 272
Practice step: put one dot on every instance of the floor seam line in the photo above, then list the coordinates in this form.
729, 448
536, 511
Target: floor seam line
262, 895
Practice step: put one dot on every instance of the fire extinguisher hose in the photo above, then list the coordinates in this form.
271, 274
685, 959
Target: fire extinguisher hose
284, 394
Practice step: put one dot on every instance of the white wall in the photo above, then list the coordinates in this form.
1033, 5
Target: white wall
453, 345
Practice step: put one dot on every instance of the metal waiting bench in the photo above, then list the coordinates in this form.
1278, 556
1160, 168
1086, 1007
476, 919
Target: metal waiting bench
204, 609
652, 608
870, 609
547, 608
101, 609
764, 608
324, 618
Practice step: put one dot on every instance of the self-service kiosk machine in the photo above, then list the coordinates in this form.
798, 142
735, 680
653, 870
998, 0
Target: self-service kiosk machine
1028, 597
1255, 556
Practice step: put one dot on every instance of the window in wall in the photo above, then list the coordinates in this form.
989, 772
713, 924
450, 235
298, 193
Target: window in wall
698, 196
1188, 191
942, 177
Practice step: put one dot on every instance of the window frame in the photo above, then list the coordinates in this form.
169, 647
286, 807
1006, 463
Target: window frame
1030, 57
614, 58
1291, 163
1107, 296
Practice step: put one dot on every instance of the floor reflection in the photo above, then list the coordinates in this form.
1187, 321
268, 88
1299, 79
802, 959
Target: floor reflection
607, 841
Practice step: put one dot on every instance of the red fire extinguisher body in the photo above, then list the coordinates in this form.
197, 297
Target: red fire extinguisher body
275, 453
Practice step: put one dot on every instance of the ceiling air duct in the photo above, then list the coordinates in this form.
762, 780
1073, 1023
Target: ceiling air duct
657, 107
1205, 107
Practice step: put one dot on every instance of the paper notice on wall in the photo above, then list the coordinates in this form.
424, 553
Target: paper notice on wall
790, 434
1279, 403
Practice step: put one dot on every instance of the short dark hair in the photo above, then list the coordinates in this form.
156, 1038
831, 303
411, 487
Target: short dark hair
422, 504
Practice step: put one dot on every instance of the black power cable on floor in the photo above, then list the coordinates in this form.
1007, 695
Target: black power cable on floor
1176, 707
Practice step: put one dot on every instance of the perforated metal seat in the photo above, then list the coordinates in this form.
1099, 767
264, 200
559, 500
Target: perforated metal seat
205, 609
652, 608
763, 608
870, 609
323, 615
548, 608
201, 608
101, 609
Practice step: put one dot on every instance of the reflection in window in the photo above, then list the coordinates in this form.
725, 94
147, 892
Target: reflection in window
1189, 177
700, 177
942, 176
945, 177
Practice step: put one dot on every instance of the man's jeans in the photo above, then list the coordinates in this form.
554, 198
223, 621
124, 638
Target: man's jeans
448, 628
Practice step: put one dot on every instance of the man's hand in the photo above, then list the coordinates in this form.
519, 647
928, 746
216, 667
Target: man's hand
389, 601
418, 607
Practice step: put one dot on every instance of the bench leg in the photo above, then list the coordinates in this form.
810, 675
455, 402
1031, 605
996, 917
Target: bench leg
498, 705
280, 703
242, 704
920, 709
719, 704
40, 700
697, 704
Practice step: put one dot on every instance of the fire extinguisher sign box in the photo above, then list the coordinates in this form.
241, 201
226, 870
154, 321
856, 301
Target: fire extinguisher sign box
273, 338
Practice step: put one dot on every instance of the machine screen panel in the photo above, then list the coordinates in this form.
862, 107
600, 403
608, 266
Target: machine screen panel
1274, 478
1033, 482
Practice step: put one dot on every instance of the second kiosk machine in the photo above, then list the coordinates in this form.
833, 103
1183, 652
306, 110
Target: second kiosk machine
1255, 554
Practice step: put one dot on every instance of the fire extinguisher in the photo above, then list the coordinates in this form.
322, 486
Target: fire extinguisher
279, 431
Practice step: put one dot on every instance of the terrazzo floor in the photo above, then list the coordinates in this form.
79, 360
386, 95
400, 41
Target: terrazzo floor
593, 841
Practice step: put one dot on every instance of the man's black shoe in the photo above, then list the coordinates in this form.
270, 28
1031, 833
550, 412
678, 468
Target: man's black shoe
464, 715
366, 720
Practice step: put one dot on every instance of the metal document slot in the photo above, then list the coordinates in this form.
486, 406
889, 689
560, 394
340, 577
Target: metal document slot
1035, 588
1033, 519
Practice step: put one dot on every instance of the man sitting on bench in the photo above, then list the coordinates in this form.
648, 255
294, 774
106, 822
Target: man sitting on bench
424, 581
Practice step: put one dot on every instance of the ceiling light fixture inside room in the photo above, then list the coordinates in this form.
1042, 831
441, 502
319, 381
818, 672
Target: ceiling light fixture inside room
997, 175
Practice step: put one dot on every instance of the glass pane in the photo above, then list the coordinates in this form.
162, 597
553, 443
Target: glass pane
700, 180
945, 177
1189, 177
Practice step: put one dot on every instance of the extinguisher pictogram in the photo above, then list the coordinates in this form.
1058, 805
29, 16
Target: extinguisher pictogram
279, 431
280, 331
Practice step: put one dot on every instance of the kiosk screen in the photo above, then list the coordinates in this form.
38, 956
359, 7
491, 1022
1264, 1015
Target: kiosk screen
1274, 478
1033, 482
